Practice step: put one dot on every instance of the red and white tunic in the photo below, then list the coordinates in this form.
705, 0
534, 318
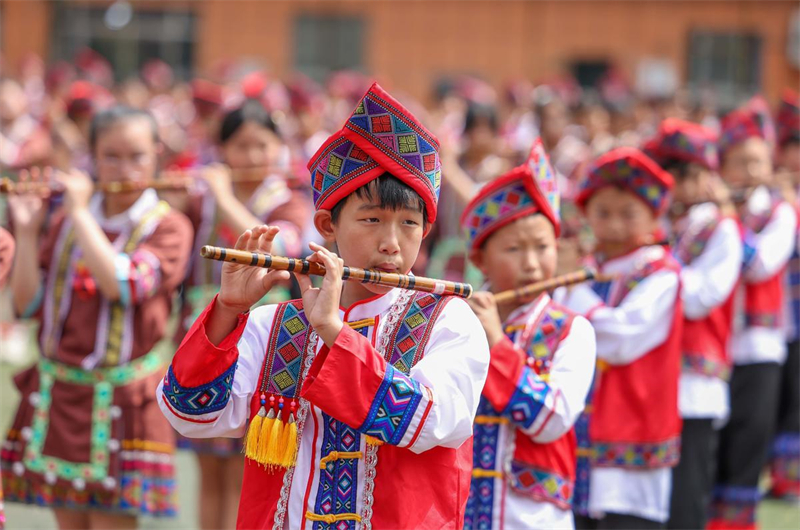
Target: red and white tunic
524, 446
769, 228
407, 371
629, 434
710, 249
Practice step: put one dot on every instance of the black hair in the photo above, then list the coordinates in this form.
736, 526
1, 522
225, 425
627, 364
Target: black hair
250, 111
479, 112
678, 167
392, 194
105, 119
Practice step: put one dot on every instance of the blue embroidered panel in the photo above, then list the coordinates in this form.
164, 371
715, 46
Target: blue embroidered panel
528, 398
338, 481
393, 408
210, 397
478, 515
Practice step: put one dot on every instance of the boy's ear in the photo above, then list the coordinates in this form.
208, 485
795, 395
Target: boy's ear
476, 257
323, 222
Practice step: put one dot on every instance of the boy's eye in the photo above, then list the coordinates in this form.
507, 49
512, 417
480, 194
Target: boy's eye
371, 220
411, 222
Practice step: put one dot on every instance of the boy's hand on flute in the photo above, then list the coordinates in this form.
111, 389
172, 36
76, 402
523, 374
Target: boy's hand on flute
28, 210
484, 306
322, 304
241, 286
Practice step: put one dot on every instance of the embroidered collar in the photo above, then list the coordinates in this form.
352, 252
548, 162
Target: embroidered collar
370, 307
146, 202
529, 311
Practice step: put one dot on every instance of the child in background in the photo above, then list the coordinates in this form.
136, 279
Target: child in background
629, 434
542, 358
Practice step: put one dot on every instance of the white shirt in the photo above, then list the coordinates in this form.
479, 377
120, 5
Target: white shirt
454, 369
773, 247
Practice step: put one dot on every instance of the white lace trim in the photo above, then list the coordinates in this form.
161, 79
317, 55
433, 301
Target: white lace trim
302, 413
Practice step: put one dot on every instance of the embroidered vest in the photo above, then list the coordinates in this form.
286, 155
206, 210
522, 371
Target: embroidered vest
541, 472
763, 300
277, 405
705, 341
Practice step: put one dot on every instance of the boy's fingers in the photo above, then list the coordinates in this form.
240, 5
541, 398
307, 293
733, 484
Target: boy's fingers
241, 243
276, 276
304, 282
252, 242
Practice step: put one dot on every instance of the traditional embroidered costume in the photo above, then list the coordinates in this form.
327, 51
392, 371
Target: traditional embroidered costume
88, 433
708, 246
629, 434
785, 465
524, 446
374, 431
758, 346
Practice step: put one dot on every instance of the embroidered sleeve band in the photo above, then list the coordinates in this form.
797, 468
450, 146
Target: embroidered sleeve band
195, 401
528, 399
400, 403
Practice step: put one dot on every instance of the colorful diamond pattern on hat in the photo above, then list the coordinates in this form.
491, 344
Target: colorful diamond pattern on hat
684, 141
389, 129
752, 120
545, 177
503, 203
341, 162
637, 179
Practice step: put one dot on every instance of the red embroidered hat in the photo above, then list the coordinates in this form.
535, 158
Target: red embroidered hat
631, 169
788, 118
751, 120
685, 141
380, 136
525, 190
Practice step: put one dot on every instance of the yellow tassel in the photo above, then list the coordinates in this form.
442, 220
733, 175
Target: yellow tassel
373, 441
251, 440
267, 426
289, 443
272, 445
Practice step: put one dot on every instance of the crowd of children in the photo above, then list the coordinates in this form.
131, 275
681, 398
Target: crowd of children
657, 395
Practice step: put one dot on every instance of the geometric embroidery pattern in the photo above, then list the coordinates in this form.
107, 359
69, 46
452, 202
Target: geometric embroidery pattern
338, 487
541, 485
387, 127
399, 145
485, 456
788, 118
636, 455
683, 141
698, 364
528, 398
410, 337
497, 207
287, 344
211, 397
751, 120
623, 173
690, 245
393, 408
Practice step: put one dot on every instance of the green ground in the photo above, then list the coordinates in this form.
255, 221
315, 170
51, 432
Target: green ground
772, 514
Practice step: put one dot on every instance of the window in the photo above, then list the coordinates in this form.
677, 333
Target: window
324, 44
728, 63
166, 35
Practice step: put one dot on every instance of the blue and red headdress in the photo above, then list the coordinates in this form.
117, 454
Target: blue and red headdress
753, 120
788, 118
633, 170
380, 136
525, 190
685, 141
